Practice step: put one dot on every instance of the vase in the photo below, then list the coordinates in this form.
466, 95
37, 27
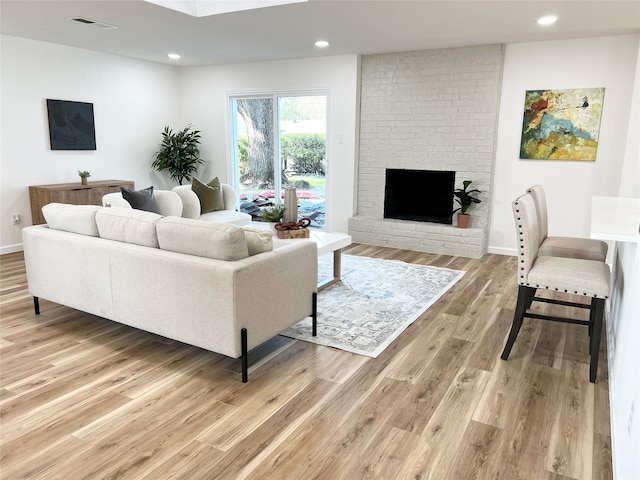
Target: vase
83, 180
290, 205
463, 220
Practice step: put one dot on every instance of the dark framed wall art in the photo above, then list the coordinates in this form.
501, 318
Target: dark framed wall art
71, 125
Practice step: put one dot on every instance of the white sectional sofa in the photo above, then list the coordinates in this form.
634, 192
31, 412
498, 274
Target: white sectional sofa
185, 279
191, 206
183, 202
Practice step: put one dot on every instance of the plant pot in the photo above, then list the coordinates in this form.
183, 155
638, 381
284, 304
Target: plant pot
83, 180
463, 220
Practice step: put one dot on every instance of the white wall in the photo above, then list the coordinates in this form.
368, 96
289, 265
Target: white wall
132, 102
607, 62
630, 178
623, 335
623, 327
203, 102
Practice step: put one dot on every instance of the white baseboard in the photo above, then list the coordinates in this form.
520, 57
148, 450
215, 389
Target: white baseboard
512, 252
11, 248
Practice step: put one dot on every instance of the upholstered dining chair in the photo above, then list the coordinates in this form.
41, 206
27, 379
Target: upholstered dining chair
577, 276
569, 247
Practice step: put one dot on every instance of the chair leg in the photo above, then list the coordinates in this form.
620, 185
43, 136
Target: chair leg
524, 294
530, 296
592, 316
594, 345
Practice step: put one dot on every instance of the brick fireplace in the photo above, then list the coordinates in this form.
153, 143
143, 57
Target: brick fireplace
427, 110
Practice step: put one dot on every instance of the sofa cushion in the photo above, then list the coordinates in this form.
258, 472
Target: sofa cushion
210, 195
140, 199
227, 216
258, 240
72, 218
204, 239
128, 225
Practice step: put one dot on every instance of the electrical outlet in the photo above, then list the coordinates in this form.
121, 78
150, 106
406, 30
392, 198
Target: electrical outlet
15, 219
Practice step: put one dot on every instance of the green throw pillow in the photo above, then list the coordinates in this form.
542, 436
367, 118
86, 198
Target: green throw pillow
210, 195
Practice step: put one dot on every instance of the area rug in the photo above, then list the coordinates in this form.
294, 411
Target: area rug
375, 301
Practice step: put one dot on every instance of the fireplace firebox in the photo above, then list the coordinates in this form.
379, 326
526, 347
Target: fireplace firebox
419, 195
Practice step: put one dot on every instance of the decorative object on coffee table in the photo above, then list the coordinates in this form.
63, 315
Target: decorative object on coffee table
84, 174
290, 205
299, 229
465, 199
272, 213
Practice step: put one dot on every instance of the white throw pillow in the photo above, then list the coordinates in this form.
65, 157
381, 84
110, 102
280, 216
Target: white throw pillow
79, 219
204, 239
258, 240
128, 225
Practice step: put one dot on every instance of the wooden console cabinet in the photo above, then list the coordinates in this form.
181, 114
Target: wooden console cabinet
74, 193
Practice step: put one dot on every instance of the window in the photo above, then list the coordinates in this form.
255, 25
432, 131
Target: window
280, 141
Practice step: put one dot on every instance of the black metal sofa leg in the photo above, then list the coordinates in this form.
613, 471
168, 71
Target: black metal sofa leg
36, 305
243, 336
314, 314
245, 355
594, 345
524, 296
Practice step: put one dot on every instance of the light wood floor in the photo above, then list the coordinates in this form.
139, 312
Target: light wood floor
86, 398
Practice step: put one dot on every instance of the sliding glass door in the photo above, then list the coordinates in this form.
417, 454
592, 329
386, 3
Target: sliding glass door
279, 141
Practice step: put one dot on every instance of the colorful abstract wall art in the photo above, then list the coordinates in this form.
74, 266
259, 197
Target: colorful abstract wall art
561, 124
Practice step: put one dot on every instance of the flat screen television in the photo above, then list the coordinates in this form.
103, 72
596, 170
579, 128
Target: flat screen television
71, 125
419, 195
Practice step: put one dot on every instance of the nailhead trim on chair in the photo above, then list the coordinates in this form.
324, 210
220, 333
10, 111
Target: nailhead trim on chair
565, 290
521, 246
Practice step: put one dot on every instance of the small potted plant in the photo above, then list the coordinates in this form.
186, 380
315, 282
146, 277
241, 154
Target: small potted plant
84, 174
273, 213
465, 199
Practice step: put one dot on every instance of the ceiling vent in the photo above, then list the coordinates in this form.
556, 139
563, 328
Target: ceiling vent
93, 23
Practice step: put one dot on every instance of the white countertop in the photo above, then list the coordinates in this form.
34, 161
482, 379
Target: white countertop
615, 218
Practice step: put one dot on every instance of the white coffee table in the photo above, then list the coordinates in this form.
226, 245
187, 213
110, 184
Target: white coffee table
328, 242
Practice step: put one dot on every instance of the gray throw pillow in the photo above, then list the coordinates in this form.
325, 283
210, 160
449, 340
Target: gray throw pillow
210, 195
140, 199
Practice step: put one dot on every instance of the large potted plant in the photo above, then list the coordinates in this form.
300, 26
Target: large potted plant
465, 199
179, 154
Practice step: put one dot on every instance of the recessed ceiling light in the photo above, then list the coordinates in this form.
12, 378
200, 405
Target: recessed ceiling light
204, 8
173, 56
322, 44
547, 20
